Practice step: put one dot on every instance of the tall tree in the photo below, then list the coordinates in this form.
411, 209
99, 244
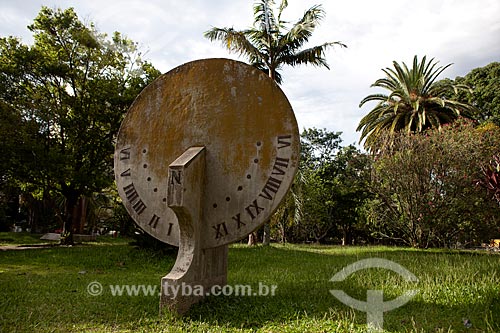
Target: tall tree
327, 193
349, 178
319, 149
485, 94
425, 187
75, 84
270, 44
416, 101
305, 213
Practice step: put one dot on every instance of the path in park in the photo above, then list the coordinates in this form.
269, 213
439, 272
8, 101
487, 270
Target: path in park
26, 247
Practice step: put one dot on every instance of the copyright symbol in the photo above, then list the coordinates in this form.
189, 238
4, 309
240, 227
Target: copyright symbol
94, 288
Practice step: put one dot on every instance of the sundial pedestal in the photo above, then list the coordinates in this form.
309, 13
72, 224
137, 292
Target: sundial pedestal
195, 269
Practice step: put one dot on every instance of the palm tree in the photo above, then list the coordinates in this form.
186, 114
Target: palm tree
269, 44
416, 102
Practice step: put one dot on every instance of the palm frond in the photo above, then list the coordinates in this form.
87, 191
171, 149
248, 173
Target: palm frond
313, 56
416, 101
269, 42
235, 41
373, 97
301, 31
283, 5
264, 18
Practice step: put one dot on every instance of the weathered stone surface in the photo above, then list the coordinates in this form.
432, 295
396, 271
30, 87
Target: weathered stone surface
51, 236
76, 237
251, 137
194, 266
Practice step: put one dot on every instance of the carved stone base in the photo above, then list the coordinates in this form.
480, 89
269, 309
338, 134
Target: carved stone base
180, 291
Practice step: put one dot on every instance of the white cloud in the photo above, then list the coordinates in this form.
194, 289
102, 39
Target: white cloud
377, 32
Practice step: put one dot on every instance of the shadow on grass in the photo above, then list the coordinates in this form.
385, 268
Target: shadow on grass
302, 277
46, 289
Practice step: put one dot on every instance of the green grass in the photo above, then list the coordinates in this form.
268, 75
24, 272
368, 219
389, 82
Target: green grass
45, 290
20, 238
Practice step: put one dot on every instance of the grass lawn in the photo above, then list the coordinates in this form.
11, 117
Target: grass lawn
21, 238
45, 290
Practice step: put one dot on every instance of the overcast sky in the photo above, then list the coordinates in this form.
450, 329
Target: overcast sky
463, 32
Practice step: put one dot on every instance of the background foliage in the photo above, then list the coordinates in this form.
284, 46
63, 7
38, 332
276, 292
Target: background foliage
425, 187
62, 100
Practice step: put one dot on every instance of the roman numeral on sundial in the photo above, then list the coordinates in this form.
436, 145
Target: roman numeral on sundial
220, 230
284, 141
124, 154
126, 173
154, 221
132, 196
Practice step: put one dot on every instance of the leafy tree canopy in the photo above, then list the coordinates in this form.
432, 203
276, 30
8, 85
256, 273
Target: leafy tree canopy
69, 92
485, 92
425, 187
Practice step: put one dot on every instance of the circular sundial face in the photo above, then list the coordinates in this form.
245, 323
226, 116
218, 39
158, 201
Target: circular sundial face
251, 140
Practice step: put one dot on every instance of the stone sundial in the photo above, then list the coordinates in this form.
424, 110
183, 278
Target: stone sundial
203, 157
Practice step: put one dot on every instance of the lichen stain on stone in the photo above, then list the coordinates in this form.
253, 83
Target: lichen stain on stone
222, 106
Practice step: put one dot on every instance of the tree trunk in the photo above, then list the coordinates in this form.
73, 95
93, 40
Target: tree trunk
345, 236
252, 239
71, 206
81, 217
266, 240
283, 233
